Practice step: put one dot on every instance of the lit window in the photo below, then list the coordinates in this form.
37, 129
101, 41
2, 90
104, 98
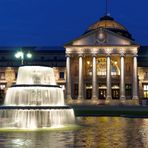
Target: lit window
101, 67
145, 88
2, 76
114, 70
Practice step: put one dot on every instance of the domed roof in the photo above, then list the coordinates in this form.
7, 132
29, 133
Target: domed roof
109, 23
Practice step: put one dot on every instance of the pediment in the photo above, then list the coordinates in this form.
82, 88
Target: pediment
101, 37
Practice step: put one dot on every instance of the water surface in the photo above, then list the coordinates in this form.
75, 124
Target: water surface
96, 132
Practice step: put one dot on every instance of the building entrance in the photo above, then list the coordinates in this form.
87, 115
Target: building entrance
88, 93
102, 94
115, 94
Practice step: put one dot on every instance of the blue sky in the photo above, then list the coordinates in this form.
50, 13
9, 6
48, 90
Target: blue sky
55, 22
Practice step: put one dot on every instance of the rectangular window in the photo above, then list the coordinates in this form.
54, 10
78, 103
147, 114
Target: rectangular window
2, 76
146, 75
61, 75
145, 91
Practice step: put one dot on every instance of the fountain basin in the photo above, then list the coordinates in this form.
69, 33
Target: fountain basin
35, 118
38, 95
35, 101
36, 75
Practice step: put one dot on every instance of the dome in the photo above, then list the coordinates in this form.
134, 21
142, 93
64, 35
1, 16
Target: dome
109, 23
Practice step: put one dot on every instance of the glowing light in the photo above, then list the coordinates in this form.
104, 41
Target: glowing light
19, 54
115, 62
88, 62
29, 55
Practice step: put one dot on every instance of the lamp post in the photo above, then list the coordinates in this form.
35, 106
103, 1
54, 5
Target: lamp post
21, 55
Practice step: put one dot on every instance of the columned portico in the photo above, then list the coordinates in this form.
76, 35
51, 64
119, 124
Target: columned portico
100, 70
68, 78
135, 78
122, 78
94, 78
108, 78
80, 88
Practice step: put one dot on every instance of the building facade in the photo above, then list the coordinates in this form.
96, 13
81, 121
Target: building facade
102, 65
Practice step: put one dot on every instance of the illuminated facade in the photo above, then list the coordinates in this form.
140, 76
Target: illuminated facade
102, 65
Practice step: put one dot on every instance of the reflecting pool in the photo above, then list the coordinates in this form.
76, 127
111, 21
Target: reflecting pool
94, 132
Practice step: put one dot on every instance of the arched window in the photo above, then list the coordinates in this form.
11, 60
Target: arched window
101, 67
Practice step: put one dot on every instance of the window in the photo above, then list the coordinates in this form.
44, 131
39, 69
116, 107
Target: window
114, 70
128, 90
2, 76
61, 75
101, 67
146, 75
145, 91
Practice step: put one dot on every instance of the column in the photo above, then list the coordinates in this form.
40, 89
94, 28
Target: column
94, 79
135, 78
68, 78
122, 78
80, 89
108, 79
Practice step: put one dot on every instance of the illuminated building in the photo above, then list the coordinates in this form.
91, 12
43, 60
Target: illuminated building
102, 65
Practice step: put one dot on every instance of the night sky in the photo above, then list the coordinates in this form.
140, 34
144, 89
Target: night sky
55, 22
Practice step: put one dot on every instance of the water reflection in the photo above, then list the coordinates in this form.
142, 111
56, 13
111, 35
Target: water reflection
97, 132
144, 132
36, 140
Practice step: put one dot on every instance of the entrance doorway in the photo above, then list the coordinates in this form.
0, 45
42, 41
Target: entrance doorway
115, 94
88, 93
102, 94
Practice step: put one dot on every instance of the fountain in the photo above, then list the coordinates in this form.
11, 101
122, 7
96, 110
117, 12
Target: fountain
35, 101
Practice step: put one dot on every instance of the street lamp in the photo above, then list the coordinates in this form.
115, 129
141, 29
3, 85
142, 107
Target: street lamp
29, 55
21, 55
